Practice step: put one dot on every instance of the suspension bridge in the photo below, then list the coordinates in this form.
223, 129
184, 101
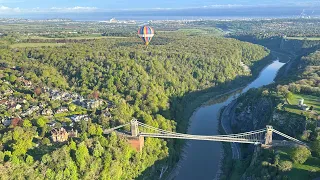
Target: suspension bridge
262, 137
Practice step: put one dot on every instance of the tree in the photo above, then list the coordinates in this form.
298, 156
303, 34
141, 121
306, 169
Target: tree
41, 122
37, 91
12, 78
82, 155
97, 150
316, 148
95, 94
27, 123
29, 160
311, 108
300, 154
22, 140
72, 107
285, 166
46, 141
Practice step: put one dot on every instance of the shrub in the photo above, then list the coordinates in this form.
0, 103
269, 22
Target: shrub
285, 166
300, 154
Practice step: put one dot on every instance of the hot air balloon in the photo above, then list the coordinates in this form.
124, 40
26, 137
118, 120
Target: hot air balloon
146, 33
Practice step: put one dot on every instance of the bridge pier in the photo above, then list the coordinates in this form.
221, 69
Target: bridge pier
136, 142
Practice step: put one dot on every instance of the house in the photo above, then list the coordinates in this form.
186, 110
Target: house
113, 20
111, 105
18, 106
47, 112
30, 111
62, 110
52, 124
94, 104
4, 102
73, 133
16, 122
106, 113
8, 92
59, 135
25, 82
302, 105
78, 118
6, 122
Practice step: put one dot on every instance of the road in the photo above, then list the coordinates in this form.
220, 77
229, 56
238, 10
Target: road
226, 116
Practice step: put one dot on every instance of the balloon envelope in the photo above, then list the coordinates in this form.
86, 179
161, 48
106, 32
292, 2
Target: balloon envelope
146, 33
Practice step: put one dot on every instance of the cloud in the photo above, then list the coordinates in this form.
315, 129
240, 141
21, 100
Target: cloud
17, 10
4, 9
74, 9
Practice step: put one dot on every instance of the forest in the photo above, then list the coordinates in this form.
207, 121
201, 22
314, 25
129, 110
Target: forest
147, 83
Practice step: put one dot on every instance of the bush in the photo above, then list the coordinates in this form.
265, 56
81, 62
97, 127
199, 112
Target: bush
46, 141
285, 166
300, 154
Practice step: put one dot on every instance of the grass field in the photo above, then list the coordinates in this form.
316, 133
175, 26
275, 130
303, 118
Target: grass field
23, 45
204, 31
75, 38
309, 170
308, 100
304, 38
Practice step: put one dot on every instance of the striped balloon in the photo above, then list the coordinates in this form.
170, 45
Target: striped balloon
146, 33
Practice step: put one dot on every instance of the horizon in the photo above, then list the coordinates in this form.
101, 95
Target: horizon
207, 13
25, 7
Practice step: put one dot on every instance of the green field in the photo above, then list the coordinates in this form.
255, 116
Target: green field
309, 170
304, 38
308, 100
203, 31
72, 38
23, 45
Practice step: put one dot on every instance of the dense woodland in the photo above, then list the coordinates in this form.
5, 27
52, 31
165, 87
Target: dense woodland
147, 83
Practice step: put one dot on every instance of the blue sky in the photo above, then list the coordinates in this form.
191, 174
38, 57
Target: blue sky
20, 6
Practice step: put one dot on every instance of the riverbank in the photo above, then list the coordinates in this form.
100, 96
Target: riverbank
232, 149
199, 99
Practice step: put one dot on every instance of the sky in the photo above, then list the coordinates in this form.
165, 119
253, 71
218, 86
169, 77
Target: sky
34, 6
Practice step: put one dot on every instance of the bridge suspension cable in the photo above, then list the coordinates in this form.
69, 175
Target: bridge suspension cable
288, 137
115, 128
230, 135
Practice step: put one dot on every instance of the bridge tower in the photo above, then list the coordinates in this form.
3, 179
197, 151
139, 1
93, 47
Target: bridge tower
135, 140
268, 137
134, 128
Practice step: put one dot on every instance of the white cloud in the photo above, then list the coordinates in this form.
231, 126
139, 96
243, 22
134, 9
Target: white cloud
9, 10
73, 9
4, 9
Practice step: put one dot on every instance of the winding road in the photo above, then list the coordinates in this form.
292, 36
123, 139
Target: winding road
226, 118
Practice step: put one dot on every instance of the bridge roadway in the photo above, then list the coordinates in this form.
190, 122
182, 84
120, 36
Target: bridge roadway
248, 138
262, 136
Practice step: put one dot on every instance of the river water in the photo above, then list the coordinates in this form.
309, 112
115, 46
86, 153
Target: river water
202, 158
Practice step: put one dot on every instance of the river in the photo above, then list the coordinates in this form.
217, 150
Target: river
202, 158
